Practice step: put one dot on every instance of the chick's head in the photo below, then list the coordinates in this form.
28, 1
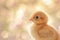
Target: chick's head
39, 18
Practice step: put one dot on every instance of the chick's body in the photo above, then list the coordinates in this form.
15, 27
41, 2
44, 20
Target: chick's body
41, 30
44, 32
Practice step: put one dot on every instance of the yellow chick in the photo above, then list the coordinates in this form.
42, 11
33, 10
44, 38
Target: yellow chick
41, 30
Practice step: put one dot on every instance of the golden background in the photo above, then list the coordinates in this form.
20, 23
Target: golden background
15, 14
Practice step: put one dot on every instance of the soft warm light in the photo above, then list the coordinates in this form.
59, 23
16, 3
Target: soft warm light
28, 28
19, 14
38, 8
59, 28
58, 14
47, 2
4, 34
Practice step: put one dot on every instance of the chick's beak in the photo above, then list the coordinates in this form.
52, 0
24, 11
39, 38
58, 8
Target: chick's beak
31, 19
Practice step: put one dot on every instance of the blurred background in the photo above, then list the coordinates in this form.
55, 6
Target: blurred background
15, 14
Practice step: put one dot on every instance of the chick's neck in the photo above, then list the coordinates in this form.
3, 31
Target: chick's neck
41, 24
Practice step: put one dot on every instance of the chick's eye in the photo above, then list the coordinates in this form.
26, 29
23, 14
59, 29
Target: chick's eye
37, 17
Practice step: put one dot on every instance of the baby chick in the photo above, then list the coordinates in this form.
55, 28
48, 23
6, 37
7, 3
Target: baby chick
41, 30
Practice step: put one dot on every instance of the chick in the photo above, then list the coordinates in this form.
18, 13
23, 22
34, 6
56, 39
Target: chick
41, 30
